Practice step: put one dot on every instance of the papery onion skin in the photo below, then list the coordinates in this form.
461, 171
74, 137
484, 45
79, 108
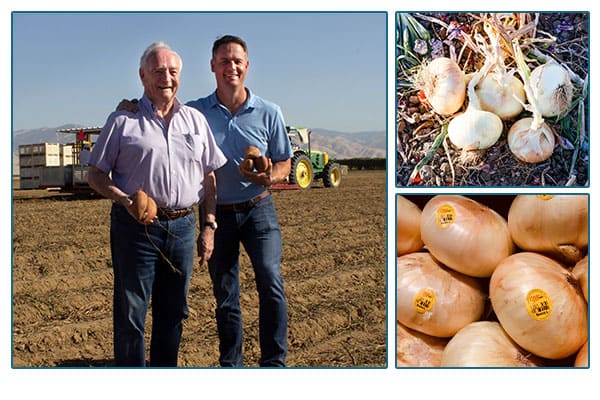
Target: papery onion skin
472, 240
408, 226
435, 300
528, 144
443, 83
475, 129
495, 93
552, 88
580, 270
416, 349
485, 344
556, 225
539, 304
582, 358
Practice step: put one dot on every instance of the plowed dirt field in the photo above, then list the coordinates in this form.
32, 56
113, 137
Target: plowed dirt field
334, 267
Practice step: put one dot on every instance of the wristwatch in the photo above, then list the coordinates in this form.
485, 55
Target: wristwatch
212, 225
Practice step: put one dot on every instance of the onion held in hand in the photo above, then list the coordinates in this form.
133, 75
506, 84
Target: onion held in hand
435, 300
485, 344
144, 207
408, 226
465, 235
556, 225
539, 304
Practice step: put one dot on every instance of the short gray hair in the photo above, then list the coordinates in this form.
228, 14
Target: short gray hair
155, 47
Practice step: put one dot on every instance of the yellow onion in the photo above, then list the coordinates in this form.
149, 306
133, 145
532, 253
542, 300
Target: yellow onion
443, 83
529, 144
408, 226
416, 349
485, 344
556, 225
580, 270
582, 358
465, 235
539, 304
552, 89
475, 129
435, 300
501, 94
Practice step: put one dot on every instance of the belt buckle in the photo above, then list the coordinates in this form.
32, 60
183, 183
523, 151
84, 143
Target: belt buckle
239, 207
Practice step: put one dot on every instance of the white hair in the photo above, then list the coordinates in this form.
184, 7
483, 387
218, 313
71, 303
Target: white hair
155, 47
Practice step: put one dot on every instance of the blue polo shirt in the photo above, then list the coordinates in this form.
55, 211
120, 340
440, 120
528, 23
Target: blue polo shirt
258, 123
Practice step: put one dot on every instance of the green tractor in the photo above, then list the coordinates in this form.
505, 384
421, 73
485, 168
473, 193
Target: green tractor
308, 164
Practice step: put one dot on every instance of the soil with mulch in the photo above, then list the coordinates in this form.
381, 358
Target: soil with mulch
496, 166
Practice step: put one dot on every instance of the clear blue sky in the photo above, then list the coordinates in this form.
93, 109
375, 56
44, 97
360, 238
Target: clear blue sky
325, 70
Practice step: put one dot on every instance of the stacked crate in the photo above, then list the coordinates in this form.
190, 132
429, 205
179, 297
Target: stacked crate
33, 159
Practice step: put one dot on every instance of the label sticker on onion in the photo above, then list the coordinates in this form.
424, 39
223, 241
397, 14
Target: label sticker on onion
538, 304
445, 216
424, 300
545, 196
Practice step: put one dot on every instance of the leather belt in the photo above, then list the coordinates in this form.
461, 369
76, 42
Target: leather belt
244, 206
173, 213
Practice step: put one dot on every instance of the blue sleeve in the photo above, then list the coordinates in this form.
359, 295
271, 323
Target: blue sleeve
279, 143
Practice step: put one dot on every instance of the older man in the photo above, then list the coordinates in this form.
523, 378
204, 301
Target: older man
167, 150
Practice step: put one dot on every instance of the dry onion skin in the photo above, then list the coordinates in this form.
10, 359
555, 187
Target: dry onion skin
552, 88
580, 270
501, 94
408, 226
465, 235
435, 300
485, 344
539, 304
443, 83
529, 144
556, 225
416, 349
582, 358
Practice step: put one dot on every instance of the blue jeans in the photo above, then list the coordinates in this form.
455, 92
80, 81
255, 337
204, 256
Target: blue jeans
139, 256
258, 230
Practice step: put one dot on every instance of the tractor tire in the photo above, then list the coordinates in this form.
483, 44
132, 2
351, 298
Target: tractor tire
301, 171
332, 175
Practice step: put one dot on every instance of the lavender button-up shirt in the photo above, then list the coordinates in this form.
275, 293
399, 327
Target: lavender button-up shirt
169, 163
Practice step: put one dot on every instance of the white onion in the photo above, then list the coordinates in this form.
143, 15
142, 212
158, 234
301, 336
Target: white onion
580, 270
416, 349
539, 304
443, 83
475, 129
529, 144
582, 358
485, 344
554, 225
408, 226
497, 94
552, 88
465, 235
435, 300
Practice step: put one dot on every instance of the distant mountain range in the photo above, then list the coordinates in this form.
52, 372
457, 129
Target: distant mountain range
339, 145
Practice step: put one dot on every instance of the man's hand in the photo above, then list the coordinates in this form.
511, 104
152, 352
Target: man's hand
261, 178
128, 105
206, 244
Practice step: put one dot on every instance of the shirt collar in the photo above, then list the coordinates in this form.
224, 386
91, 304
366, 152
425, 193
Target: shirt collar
148, 107
249, 104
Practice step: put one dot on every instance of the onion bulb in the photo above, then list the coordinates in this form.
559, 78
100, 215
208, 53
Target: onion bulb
556, 225
530, 144
443, 83
580, 270
435, 300
539, 304
497, 94
465, 235
408, 226
475, 129
485, 344
416, 349
552, 89
582, 358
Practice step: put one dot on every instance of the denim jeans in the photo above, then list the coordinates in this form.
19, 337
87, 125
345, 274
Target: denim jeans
258, 230
141, 270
